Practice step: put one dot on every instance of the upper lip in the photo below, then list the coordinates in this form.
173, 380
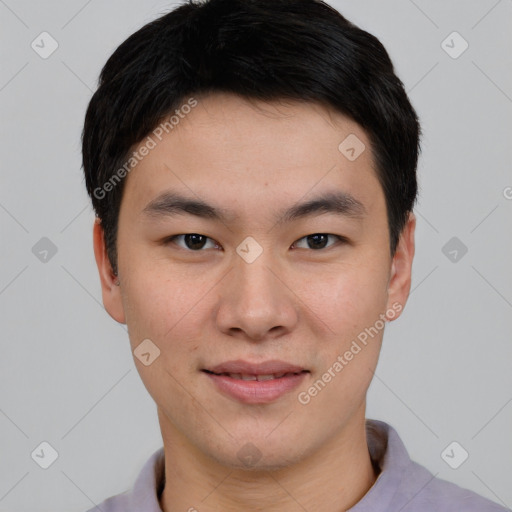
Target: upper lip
265, 368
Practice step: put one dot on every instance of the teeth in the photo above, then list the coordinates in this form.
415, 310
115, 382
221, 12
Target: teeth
259, 378
265, 377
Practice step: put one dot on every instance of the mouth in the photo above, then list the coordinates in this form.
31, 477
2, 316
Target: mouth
255, 383
258, 377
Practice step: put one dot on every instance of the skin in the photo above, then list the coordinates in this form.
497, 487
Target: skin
294, 303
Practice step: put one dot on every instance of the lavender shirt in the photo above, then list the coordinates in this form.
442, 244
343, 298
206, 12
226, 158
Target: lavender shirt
402, 485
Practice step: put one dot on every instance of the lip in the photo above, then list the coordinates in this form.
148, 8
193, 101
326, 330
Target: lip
254, 391
264, 368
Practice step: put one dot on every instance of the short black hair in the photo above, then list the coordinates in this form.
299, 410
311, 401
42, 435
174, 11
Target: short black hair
257, 49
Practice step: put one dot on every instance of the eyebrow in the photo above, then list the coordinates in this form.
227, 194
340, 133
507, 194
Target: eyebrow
339, 203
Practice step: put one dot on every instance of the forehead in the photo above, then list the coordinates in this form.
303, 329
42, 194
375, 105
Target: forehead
222, 122
246, 153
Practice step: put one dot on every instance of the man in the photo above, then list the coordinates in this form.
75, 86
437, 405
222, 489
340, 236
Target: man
252, 165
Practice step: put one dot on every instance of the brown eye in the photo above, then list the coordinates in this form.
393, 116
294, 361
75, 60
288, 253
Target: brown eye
193, 241
317, 241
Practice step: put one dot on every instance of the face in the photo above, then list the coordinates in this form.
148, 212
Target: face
250, 246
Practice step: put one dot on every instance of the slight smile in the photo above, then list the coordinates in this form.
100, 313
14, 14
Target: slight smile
256, 383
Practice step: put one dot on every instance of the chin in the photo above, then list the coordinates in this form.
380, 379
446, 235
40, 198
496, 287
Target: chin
257, 452
255, 461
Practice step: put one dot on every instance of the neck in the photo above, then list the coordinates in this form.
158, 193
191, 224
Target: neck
335, 477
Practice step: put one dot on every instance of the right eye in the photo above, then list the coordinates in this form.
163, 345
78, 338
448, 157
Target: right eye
192, 241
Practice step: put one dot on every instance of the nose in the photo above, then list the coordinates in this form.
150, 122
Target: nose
256, 302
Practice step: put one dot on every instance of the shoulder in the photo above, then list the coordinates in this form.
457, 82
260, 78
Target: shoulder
405, 485
118, 503
422, 489
143, 496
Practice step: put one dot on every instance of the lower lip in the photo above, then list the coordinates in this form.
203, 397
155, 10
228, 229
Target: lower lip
256, 392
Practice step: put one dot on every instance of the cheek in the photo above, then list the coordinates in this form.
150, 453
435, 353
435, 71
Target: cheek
350, 299
174, 311
159, 307
349, 349
169, 314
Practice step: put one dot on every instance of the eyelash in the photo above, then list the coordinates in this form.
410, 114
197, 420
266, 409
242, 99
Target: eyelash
340, 239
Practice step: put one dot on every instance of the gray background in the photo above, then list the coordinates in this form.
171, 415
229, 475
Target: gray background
66, 372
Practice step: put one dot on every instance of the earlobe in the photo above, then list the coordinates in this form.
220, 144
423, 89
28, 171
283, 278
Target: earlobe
110, 286
401, 268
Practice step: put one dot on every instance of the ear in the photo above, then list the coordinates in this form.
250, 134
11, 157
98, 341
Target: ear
401, 268
110, 287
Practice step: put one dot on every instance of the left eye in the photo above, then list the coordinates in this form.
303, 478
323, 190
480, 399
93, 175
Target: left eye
194, 241
317, 241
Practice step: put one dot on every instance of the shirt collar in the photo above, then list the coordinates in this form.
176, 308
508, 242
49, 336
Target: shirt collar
389, 453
